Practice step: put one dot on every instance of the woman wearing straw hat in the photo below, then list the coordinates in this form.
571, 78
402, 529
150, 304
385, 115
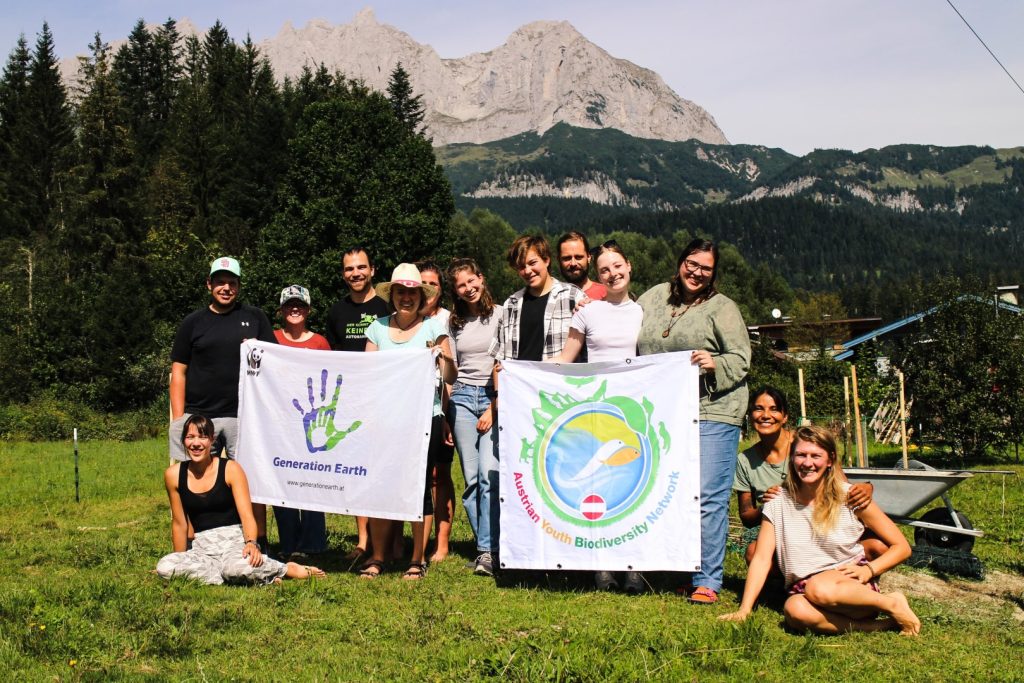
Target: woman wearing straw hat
408, 328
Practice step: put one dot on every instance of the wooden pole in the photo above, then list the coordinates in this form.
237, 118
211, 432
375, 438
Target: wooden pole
903, 419
858, 435
803, 398
846, 420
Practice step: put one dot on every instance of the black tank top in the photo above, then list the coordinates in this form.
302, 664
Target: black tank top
210, 510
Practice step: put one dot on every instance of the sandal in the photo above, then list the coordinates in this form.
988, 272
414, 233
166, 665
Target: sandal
355, 554
371, 570
415, 572
703, 596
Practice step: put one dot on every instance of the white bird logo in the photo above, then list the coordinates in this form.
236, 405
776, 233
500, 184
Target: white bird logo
612, 453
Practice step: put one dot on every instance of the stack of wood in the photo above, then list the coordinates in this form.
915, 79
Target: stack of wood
886, 421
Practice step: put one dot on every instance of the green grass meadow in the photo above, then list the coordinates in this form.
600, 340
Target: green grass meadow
78, 601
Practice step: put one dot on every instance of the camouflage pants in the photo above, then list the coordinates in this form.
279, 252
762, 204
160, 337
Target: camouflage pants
216, 558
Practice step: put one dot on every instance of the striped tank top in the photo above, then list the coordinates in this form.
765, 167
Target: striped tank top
801, 552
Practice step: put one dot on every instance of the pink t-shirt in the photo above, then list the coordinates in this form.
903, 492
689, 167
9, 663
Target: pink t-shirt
596, 291
317, 342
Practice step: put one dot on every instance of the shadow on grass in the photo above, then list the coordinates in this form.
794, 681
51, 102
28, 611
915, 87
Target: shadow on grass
662, 583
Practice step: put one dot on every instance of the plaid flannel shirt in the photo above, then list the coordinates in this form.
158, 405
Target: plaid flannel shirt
562, 300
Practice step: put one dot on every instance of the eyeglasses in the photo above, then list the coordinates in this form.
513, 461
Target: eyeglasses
610, 244
693, 267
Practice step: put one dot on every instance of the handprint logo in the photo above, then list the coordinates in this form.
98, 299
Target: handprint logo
318, 423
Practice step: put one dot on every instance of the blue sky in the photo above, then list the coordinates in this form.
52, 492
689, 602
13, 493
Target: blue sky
796, 74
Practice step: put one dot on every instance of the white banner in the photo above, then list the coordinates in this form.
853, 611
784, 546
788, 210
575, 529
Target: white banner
600, 465
336, 431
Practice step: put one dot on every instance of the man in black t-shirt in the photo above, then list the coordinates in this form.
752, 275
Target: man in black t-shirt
348, 319
205, 362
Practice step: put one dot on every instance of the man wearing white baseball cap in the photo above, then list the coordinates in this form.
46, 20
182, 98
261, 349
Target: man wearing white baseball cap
205, 362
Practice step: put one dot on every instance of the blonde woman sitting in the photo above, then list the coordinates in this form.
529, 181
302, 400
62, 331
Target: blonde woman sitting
832, 587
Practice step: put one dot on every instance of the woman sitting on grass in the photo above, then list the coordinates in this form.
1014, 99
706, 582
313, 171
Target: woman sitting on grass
761, 469
213, 494
831, 585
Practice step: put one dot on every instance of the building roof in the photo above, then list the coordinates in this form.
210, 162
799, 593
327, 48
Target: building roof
886, 329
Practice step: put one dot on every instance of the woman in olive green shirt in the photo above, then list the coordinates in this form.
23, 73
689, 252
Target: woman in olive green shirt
688, 313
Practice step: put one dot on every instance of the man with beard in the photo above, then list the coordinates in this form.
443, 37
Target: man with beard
348, 319
346, 331
574, 262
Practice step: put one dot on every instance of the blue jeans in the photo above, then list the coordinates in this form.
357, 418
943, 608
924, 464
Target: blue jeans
478, 454
719, 444
300, 530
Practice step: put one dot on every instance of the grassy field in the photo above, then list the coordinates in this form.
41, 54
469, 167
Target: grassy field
78, 601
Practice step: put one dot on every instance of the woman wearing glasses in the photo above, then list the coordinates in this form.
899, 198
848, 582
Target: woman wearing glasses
688, 313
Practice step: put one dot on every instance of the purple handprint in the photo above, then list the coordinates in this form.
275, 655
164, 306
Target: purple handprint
318, 423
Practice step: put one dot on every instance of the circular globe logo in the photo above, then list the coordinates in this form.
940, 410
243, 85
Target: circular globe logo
593, 468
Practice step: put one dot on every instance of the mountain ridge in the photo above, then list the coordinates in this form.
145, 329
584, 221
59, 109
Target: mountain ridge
546, 72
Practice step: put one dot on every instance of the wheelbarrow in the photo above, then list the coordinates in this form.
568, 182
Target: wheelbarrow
902, 492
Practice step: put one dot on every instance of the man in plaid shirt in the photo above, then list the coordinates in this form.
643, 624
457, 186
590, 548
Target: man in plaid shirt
535, 320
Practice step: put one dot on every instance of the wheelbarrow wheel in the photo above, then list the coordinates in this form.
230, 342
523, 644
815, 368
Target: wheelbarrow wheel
942, 538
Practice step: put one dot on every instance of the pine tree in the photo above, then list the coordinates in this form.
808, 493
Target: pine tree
49, 136
358, 176
165, 72
147, 71
261, 148
106, 223
15, 216
408, 108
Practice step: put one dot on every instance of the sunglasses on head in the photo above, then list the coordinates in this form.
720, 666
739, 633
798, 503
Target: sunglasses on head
610, 244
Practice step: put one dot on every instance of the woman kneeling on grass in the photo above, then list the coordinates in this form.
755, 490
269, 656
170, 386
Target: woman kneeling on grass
832, 586
213, 494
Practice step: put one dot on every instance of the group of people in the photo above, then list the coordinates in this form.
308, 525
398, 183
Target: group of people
549, 320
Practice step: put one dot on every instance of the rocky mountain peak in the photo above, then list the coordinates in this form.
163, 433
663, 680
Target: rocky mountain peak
544, 30
365, 16
545, 73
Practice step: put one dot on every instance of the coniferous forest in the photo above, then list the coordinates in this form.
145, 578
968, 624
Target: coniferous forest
118, 188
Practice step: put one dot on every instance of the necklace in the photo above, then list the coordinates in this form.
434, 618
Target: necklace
406, 328
676, 315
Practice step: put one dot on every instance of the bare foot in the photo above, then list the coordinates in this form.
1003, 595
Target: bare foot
302, 571
438, 556
908, 622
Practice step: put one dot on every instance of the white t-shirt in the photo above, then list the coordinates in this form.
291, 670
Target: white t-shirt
611, 329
